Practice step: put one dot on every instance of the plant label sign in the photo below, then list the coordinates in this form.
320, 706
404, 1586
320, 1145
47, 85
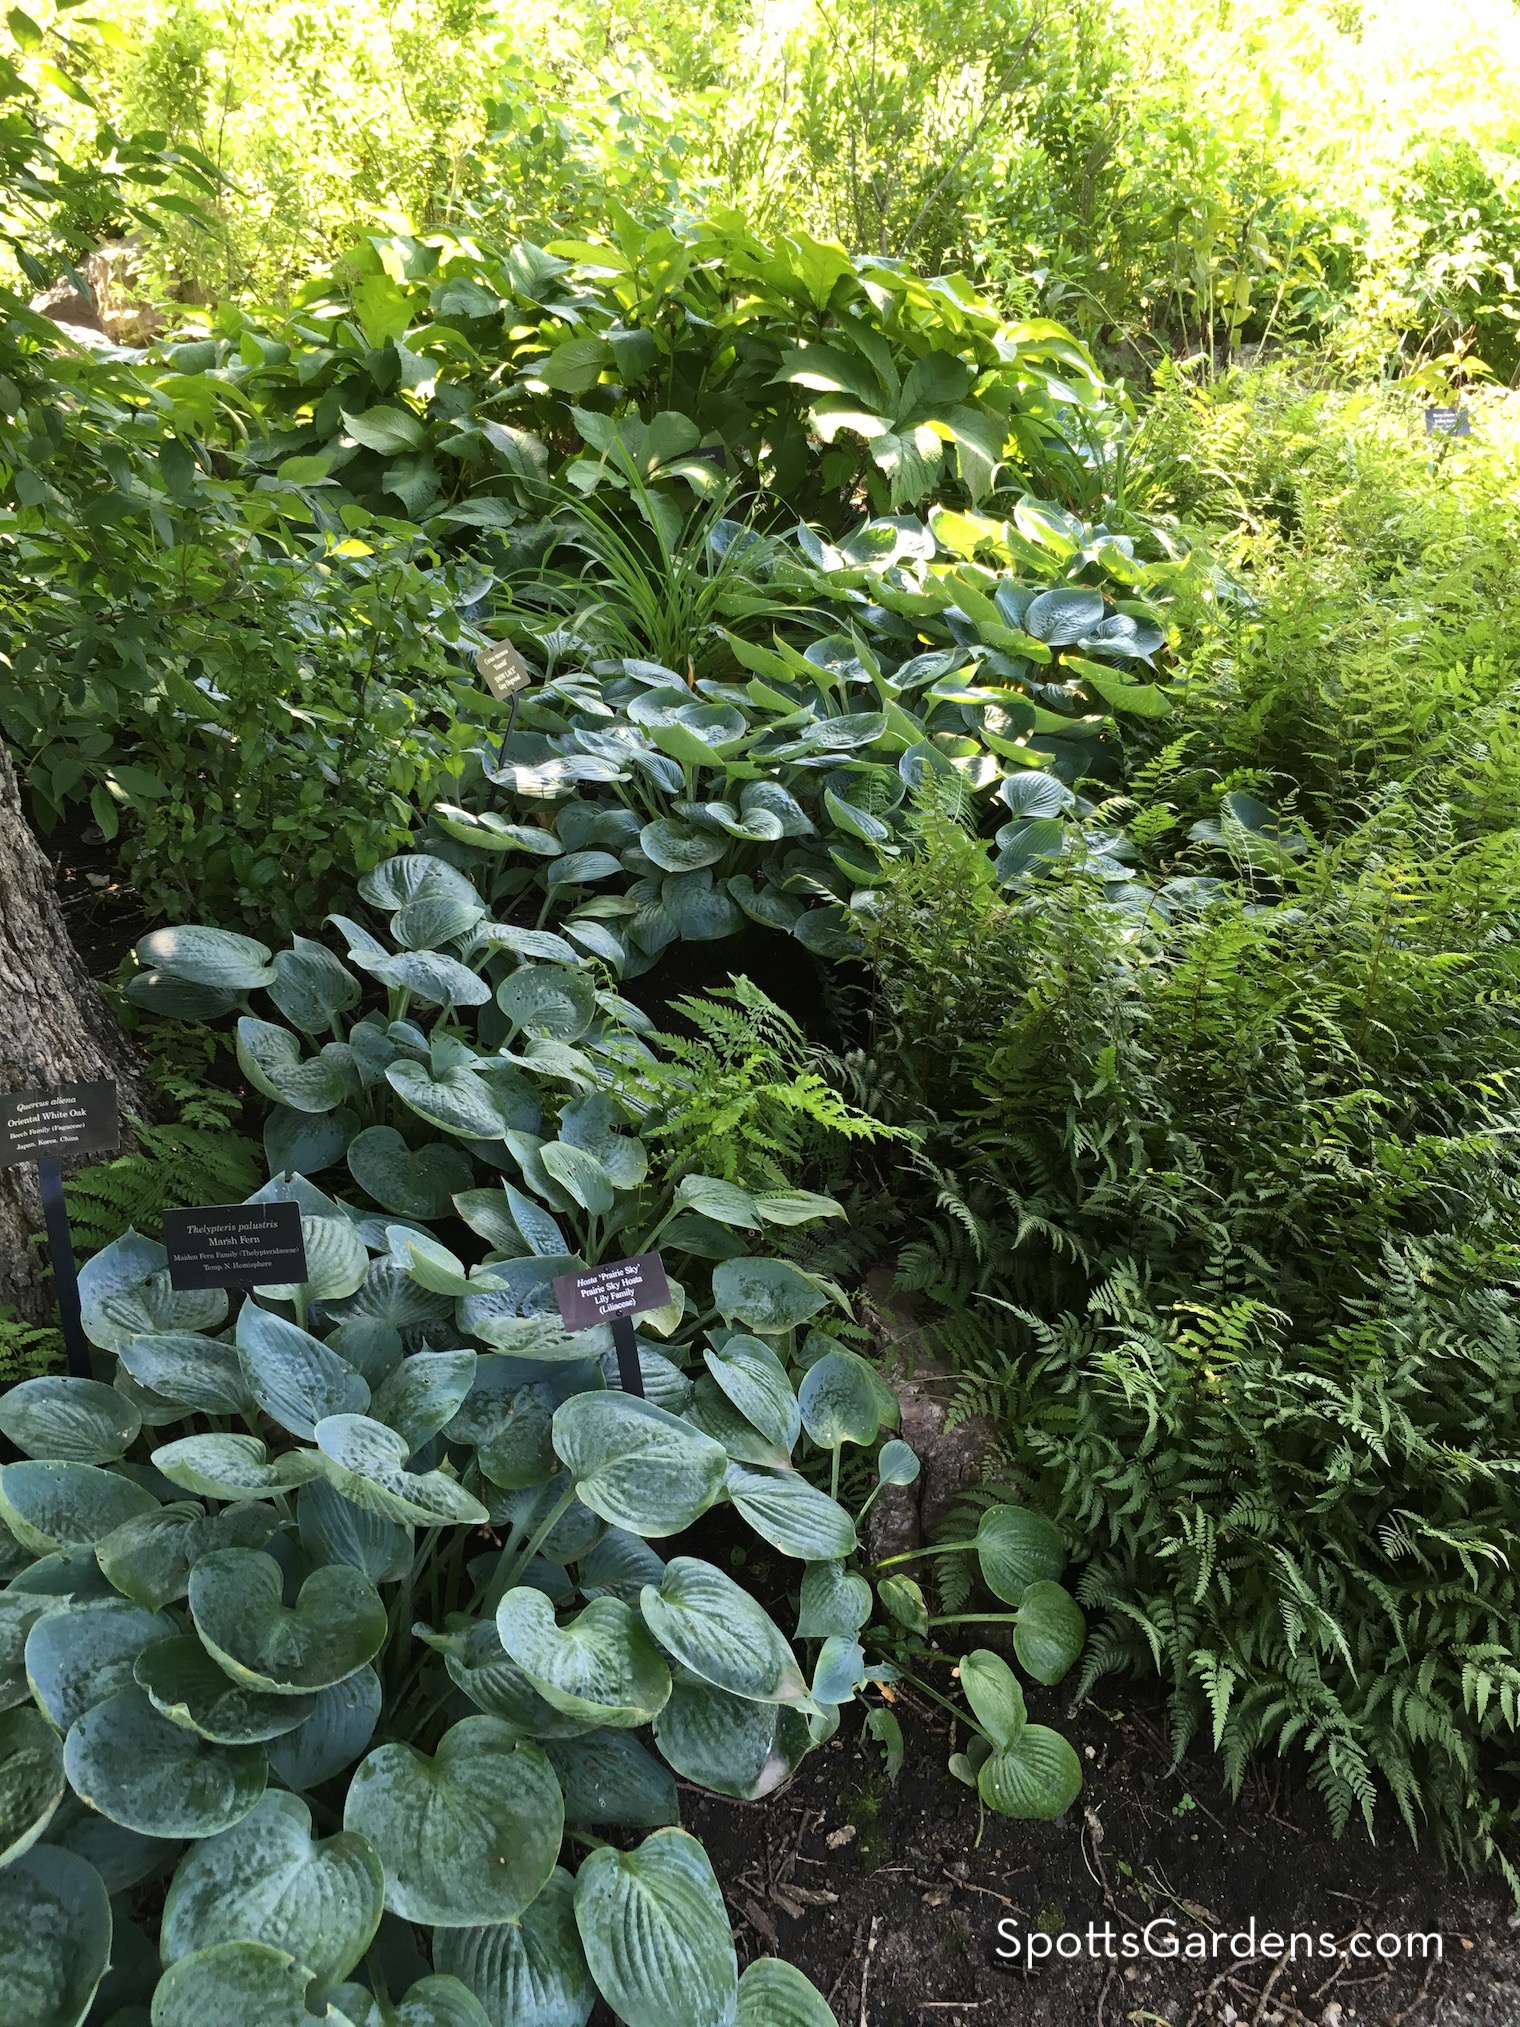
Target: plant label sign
1448, 422
502, 669
615, 1293
51, 1125
235, 1246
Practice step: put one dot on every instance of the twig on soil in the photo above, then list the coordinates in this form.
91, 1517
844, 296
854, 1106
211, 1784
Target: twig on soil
850, 1955
1398, 2019
865, 1971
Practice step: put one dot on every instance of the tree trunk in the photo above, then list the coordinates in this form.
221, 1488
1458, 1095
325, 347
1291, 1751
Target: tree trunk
55, 1028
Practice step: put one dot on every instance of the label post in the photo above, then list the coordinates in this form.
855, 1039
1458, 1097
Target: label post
43, 1127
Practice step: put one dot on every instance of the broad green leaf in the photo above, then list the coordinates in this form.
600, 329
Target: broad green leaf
992, 1689
906, 1602
121, 1857
466, 1837
336, 1263
714, 1628
1038, 1777
292, 1375
339, 1726
548, 1000
31, 1781
414, 1183
153, 1776
272, 1061
430, 2002
591, 1124
603, 1666
1017, 1548
796, 1207
239, 1984
789, 1513
390, 1296
333, 1529
268, 1880
185, 1685
1051, 1631
214, 957
234, 1467
766, 1295
580, 1175
834, 1601
304, 1143
411, 876
50, 1506
526, 1973
389, 430
457, 1100
76, 1420
513, 1434
896, 1464
423, 1394
656, 1933
839, 1401
608, 1777
77, 1658
366, 1462
191, 1371
493, 1681
310, 986
55, 1937
336, 1624
714, 1198
676, 849
635, 1465
728, 1743
1060, 618
776, 1994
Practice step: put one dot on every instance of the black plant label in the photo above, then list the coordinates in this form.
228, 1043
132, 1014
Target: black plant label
235, 1246
50, 1125
616, 1288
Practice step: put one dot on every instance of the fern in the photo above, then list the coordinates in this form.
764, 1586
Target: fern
27, 1351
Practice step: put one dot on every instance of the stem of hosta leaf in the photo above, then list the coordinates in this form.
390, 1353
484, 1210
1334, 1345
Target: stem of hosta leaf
944, 1703
302, 1303
834, 1472
507, 1573
979, 1619
929, 1548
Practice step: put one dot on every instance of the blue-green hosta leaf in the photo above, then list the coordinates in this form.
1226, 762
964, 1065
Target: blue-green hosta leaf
241, 1984
608, 1777
488, 1213
766, 1295
268, 1880
1060, 618
304, 1143
840, 1670
548, 1000
676, 849
796, 1207
789, 1513
214, 957
992, 1689
458, 1100
619, 1566
905, 1600
602, 1666
701, 911
513, 1434
839, 1401
493, 1681
467, 1837
712, 1197
664, 1382
773, 1993
272, 1061
434, 919
50, 1506
390, 1296
121, 1857
408, 877
176, 999
310, 986
591, 1123
31, 1780
124, 1290
77, 1421
336, 1263
713, 1414
834, 1601
656, 1933
727, 1743
233, 1467
366, 1462
55, 1937
765, 904
896, 1464
1035, 793
489, 831
539, 1338
580, 1175
635, 1465
528, 1973
1017, 1548
414, 1183
292, 1375
429, 976
755, 1380
431, 2002
154, 1776
331, 1737
1051, 1631
77, 1658
335, 1626
424, 1393
186, 1685
333, 1529
714, 1628
1037, 1778
124, 1264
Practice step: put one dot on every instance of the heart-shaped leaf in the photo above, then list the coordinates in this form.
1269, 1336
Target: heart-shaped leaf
31, 1780
333, 1529
992, 1689
1017, 1548
839, 1401
185, 1685
431, 2002
834, 1600
55, 1937
336, 1262
773, 1993
1061, 617
458, 1100
239, 1984
580, 1175
635, 1465
340, 1725
336, 1624
214, 957
903, 1598
1037, 1778
292, 1375
467, 1837
728, 1743
366, 1462
548, 999
789, 1513
191, 1371
154, 1776
310, 986
603, 1666
720, 1633
304, 1143
274, 1065
608, 1777
76, 1420
591, 1123
530, 1972
1051, 1631
416, 1183
765, 1295
423, 1394
51, 1506
234, 1467
77, 1658
121, 1857
896, 1464
268, 1880
656, 1933
513, 1434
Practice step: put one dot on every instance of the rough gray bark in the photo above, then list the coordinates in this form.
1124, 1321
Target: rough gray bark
55, 1028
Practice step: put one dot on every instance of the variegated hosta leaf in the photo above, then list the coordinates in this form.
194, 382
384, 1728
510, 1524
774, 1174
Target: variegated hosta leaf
51, 1506
31, 1780
234, 1467
77, 1658
336, 1262
602, 1665
423, 1393
187, 1686
292, 1375
189, 1371
714, 1628
336, 1625
156, 1777
635, 1465
366, 1462
74, 1420
729, 1743
531, 1971
656, 1933
55, 1937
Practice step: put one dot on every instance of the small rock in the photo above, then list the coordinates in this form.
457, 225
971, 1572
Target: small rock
844, 1835
1331, 2017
